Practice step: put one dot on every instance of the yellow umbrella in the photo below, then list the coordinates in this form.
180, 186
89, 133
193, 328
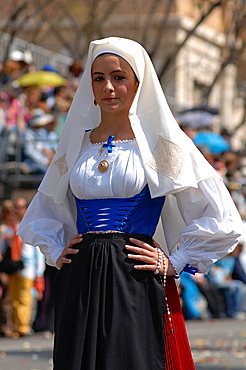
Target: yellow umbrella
41, 78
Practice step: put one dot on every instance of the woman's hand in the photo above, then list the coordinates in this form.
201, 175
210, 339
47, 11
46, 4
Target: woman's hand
62, 259
149, 255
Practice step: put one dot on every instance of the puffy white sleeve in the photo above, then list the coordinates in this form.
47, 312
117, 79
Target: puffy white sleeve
212, 225
49, 225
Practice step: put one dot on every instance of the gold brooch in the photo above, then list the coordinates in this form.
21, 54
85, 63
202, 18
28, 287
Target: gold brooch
103, 166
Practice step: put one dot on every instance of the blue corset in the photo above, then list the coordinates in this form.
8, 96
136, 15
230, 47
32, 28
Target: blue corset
136, 215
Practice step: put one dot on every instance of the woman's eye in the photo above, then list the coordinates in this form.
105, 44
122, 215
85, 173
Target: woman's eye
119, 77
99, 78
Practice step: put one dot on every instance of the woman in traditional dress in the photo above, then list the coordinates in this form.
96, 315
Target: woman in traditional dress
126, 205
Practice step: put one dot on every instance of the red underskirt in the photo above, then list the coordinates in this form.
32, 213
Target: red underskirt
177, 347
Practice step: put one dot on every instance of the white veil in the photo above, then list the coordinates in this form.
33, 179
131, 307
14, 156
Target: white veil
171, 160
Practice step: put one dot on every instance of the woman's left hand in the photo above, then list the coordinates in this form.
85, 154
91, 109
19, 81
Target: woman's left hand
144, 253
148, 255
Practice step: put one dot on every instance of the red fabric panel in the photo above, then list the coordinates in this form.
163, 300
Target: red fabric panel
177, 347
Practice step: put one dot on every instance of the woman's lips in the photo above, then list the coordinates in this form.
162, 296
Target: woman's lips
109, 99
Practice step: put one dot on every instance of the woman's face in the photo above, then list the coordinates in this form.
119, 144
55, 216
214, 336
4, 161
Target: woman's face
114, 83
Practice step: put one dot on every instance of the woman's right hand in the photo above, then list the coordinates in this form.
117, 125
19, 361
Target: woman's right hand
62, 259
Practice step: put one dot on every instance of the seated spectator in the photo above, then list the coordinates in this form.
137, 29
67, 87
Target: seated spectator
10, 243
6, 235
40, 141
75, 71
242, 255
23, 282
4, 106
220, 276
238, 271
193, 303
214, 297
16, 64
33, 96
237, 193
188, 129
63, 99
44, 320
76, 68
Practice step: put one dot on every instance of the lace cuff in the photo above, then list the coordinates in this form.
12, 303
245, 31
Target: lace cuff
178, 260
51, 257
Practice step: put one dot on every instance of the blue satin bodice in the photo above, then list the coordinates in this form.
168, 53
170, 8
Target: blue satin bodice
137, 215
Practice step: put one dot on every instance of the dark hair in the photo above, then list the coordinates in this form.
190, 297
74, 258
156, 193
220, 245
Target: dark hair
109, 53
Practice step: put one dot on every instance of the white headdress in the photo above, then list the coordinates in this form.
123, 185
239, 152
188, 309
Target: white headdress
171, 160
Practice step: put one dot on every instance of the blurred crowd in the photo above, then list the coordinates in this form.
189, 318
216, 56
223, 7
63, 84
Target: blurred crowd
32, 112
31, 119
26, 283
222, 292
32, 115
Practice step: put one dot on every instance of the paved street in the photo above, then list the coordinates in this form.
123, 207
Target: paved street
32, 353
216, 345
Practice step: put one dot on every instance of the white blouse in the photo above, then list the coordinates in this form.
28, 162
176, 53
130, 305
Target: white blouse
124, 178
211, 228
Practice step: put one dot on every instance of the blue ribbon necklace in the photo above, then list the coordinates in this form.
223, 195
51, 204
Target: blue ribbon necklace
104, 164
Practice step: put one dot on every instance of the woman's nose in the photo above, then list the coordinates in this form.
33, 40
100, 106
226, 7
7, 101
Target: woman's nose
108, 86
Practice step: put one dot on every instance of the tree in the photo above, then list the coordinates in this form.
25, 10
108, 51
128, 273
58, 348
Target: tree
169, 60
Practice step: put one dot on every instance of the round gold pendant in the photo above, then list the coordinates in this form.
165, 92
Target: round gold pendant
103, 166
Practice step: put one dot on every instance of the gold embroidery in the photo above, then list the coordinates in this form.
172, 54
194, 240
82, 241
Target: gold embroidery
167, 158
62, 164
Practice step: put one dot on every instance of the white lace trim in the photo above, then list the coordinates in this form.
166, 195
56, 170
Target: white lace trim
178, 260
113, 142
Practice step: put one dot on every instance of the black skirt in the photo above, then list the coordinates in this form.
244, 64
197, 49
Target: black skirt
108, 316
